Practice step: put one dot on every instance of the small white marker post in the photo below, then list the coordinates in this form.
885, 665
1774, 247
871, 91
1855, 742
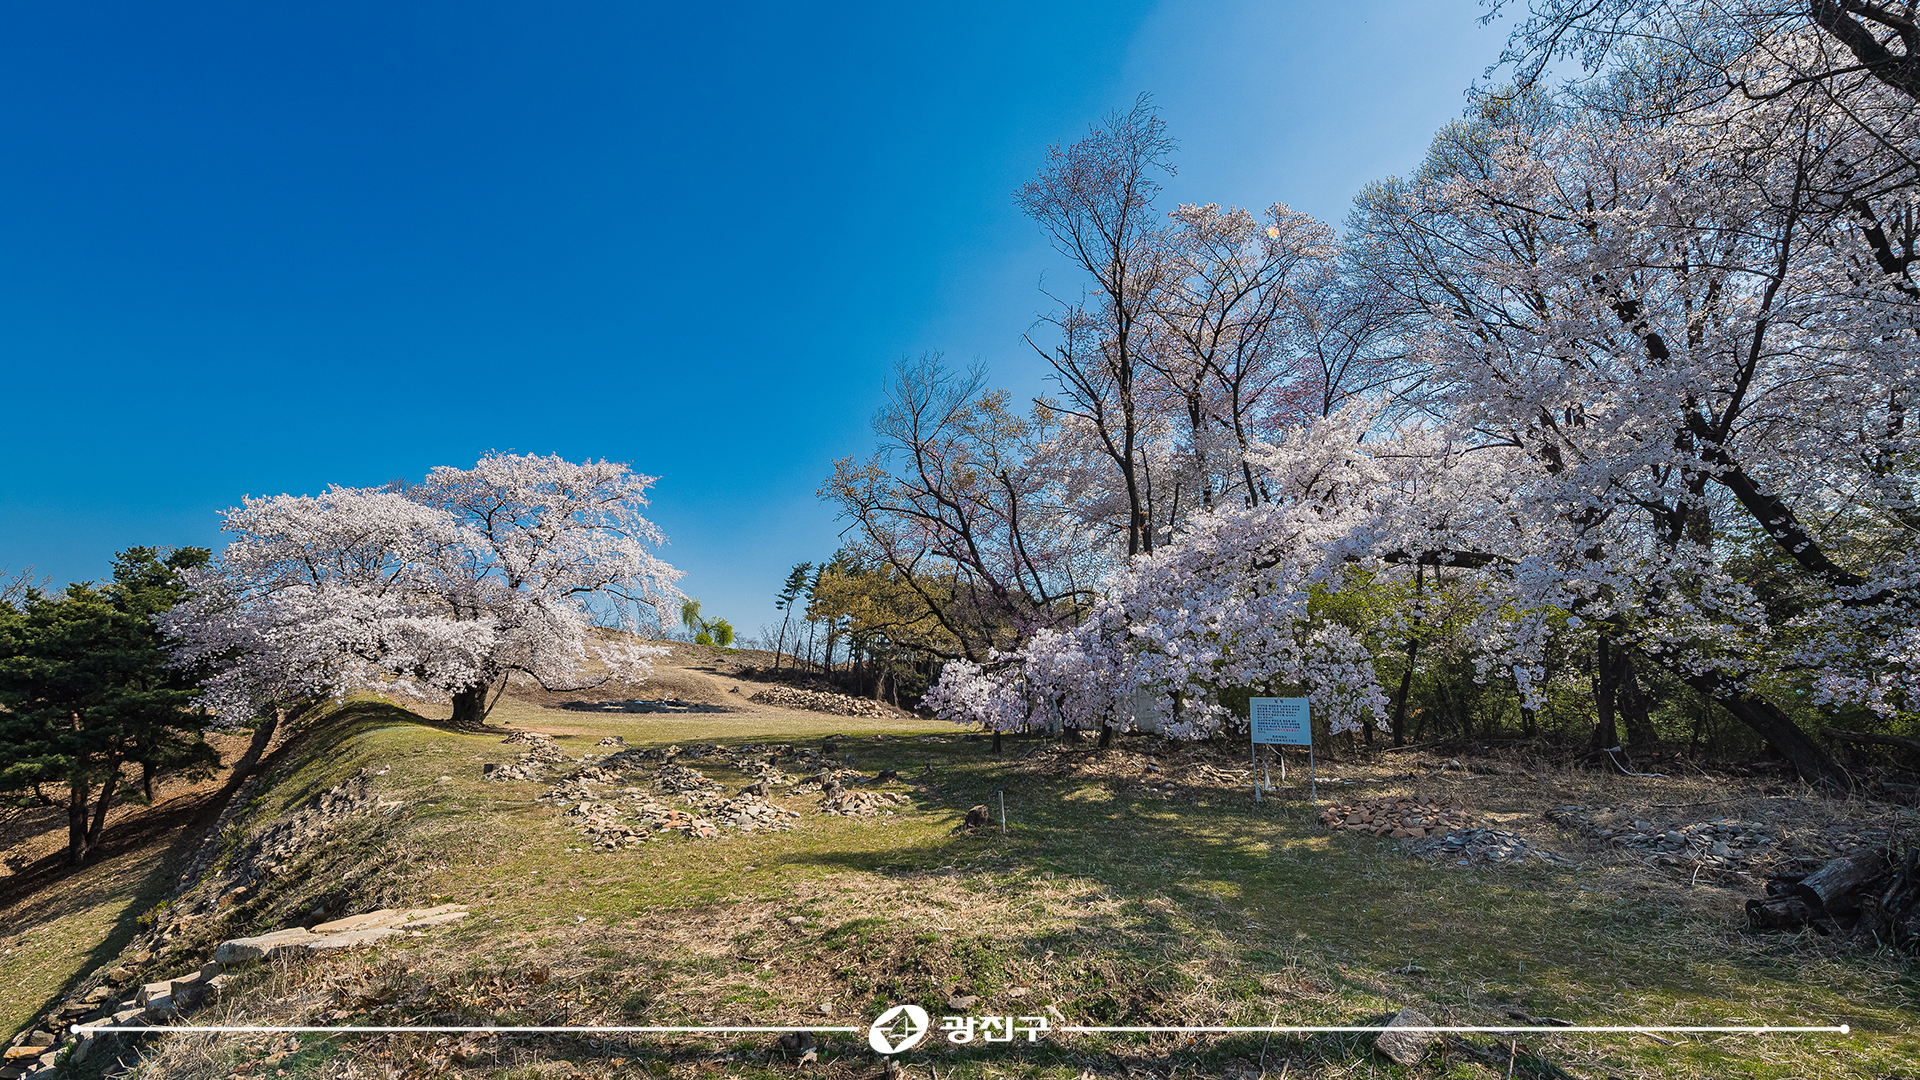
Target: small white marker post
1283, 722
1256, 764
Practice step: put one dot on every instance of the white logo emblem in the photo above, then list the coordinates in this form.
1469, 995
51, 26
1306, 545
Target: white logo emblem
898, 1030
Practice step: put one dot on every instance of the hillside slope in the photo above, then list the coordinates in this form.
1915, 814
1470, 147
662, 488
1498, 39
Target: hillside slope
626, 872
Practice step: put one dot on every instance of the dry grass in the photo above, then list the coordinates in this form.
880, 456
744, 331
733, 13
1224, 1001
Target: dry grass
58, 923
1111, 899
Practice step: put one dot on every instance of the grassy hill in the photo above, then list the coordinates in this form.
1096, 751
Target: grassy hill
1138, 885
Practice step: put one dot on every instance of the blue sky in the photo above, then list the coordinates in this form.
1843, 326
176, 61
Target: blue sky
253, 249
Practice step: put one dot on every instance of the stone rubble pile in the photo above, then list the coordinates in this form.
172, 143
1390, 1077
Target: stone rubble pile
1731, 844
1728, 843
828, 781
641, 705
765, 772
861, 803
749, 813
87, 1022
821, 702
631, 795
1402, 818
543, 756
1479, 847
631, 815
611, 825
681, 780
637, 759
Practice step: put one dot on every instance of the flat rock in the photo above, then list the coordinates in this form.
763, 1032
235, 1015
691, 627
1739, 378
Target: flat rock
425, 921
242, 950
348, 940
382, 917
1405, 1047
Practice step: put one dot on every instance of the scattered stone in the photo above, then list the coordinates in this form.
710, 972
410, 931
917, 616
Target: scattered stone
1405, 1047
1402, 818
543, 756
1727, 848
861, 803
1480, 847
667, 704
681, 780
628, 816
828, 781
821, 702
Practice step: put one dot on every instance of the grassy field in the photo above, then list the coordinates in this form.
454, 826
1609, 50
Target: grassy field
1105, 902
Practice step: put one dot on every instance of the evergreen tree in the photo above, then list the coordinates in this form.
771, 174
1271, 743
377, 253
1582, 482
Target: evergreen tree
87, 691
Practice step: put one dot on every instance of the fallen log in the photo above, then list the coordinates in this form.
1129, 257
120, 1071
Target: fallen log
1777, 913
1830, 889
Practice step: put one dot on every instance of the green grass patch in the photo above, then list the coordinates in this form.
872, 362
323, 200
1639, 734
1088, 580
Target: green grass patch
1103, 903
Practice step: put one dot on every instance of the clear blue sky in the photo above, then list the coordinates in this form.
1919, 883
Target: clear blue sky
261, 248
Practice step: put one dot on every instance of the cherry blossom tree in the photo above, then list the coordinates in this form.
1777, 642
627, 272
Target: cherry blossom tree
1825, 41
438, 592
1221, 342
1661, 383
1094, 200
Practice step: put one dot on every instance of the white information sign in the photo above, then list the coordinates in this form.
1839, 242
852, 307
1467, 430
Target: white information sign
1281, 720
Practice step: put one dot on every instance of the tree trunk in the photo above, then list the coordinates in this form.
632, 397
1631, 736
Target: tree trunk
107, 788
1814, 764
249, 761
470, 706
146, 781
76, 818
1606, 689
1633, 705
1106, 736
996, 740
1413, 657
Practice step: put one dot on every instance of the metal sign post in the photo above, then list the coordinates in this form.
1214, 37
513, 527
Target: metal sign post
1283, 722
